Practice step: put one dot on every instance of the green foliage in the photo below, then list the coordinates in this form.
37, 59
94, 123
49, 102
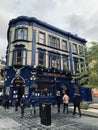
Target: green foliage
2, 72
89, 77
1, 86
84, 105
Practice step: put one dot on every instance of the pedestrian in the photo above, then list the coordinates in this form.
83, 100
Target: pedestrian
65, 102
76, 102
16, 105
22, 105
33, 103
6, 102
58, 100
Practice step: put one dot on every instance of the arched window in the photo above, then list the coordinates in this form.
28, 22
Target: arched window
21, 33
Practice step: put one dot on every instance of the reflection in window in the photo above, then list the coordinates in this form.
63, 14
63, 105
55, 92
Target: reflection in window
81, 50
54, 62
21, 33
76, 66
41, 38
65, 64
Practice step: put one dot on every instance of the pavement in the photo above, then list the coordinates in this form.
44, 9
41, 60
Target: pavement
11, 120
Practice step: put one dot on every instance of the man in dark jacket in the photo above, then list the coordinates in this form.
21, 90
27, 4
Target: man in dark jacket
58, 100
22, 105
76, 102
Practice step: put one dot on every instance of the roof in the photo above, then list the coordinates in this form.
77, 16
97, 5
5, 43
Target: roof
33, 19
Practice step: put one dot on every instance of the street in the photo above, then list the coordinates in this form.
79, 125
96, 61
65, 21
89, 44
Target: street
10, 120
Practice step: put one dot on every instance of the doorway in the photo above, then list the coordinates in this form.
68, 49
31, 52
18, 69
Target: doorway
18, 88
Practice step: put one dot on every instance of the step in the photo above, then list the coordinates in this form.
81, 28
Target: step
94, 105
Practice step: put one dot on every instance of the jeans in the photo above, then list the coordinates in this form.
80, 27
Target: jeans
65, 106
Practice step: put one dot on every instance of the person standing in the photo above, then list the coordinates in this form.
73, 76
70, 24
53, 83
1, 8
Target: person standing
65, 102
22, 105
76, 102
58, 100
33, 102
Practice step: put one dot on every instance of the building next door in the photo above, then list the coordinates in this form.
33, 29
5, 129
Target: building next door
18, 89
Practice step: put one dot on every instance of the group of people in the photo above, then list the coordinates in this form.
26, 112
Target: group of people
65, 99
59, 100
22, 103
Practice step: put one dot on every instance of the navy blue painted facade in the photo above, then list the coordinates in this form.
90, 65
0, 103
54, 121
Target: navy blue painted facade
20, 78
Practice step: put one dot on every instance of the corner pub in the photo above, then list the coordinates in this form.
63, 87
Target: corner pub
42, 58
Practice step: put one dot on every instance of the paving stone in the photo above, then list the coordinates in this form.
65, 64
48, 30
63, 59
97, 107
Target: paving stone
58, 121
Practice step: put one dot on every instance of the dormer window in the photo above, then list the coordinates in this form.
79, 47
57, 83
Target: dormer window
21, 33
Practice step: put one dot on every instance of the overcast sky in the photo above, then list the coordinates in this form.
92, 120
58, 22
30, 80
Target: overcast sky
76, 16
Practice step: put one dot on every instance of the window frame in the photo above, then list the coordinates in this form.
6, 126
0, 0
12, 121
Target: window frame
40, 38
39, 59
22, 57
54, 41
21, 35
64, 47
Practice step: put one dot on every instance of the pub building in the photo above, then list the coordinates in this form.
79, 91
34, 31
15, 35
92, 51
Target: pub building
42, 58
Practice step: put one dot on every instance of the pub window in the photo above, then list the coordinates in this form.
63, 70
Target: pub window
10, 35
65, 64
81, 50
76, 66
54, 62
41, 37
53, 41
74, 48
19, 57
41, 59
64, 45
21, 33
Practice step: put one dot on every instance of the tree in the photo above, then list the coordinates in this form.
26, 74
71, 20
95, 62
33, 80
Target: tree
92, 59
89, 78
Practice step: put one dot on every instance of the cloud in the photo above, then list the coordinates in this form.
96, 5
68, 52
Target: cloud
74, 16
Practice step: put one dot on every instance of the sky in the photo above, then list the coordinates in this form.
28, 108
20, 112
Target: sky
76, 16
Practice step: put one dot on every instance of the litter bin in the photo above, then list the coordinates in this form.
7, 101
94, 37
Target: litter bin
45, 113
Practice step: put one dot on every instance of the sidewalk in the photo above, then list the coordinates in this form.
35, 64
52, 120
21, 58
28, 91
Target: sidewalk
10, 120
91, 111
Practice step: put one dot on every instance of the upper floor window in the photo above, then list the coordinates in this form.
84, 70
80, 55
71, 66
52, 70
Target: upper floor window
41, 59
65, 64
19, 57
10, 35
21, 33
74, 48
76, 66
53, 41
64, 45
41, 37
81, 50
54, 61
